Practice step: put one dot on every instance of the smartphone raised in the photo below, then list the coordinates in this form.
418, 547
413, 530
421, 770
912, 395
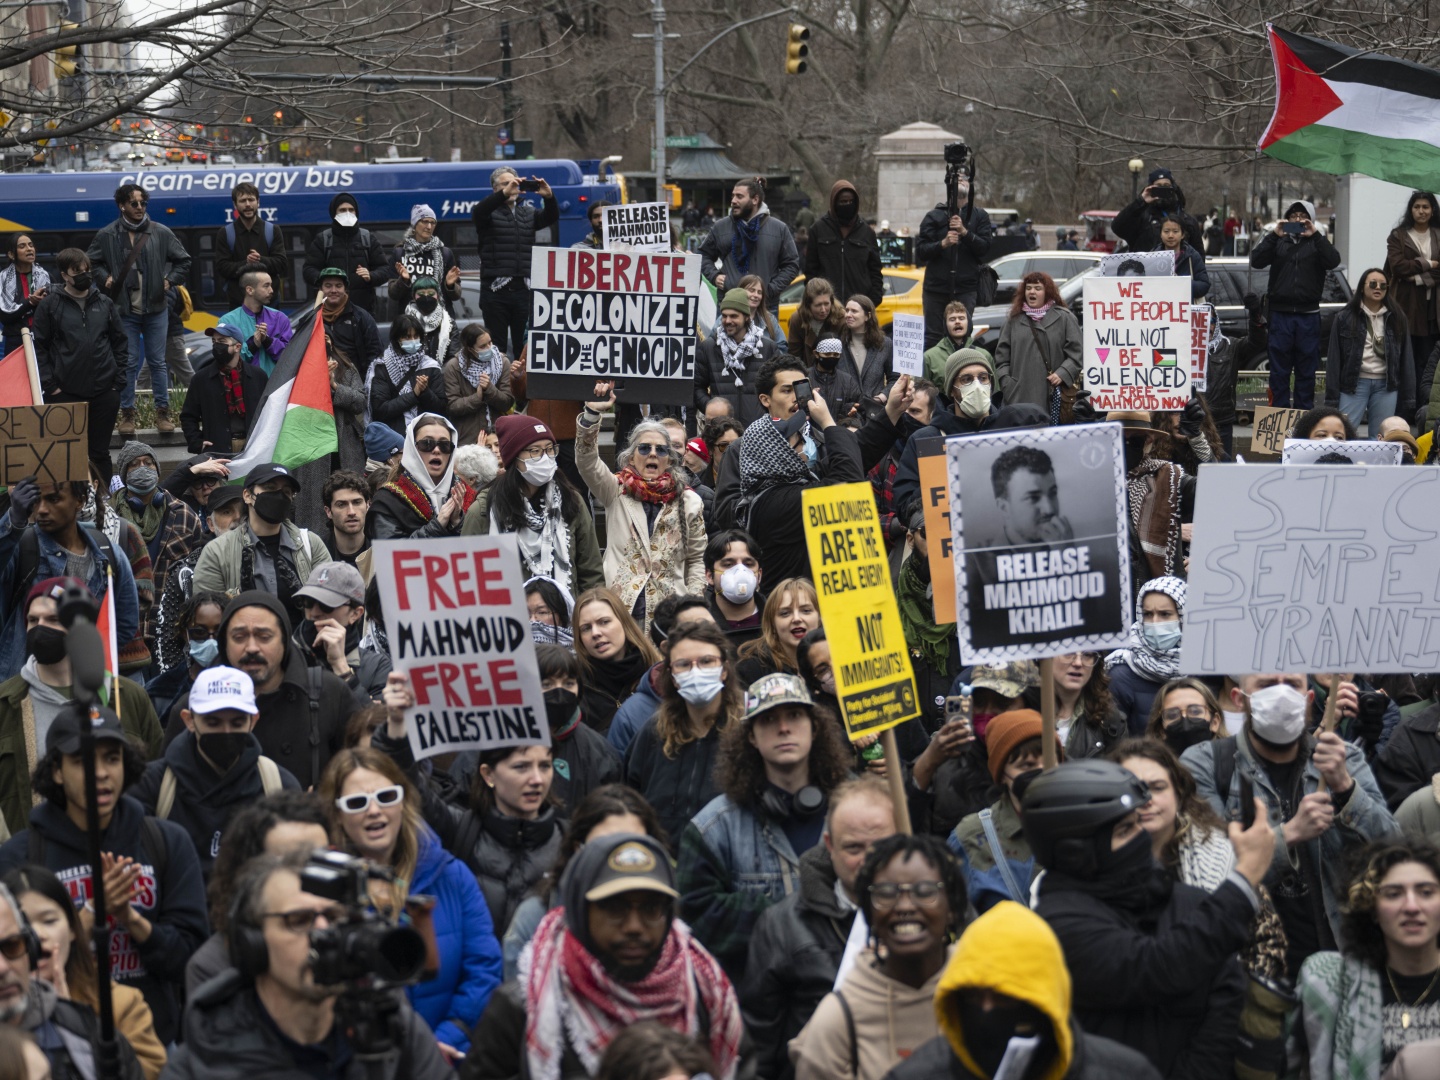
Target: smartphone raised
529, 185
1247, 802
803, 394
1293, 228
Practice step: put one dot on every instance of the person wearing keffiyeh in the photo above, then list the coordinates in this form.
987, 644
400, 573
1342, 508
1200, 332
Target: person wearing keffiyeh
406, 380
1151, 657
613, 954
728, 364
477, 383
22, 286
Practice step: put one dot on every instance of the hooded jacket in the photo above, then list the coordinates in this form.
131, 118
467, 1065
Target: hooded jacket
172, 901
1298, 266
80, 347
845, 254
347, 249
204, 799
1009, 950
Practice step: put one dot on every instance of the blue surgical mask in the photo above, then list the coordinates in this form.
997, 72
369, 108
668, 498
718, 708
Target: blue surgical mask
410, 345
1162, 637
699, 686
204, 652
812, 455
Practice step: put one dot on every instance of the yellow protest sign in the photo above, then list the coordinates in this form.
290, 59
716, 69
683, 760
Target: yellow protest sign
939, 544
873, 678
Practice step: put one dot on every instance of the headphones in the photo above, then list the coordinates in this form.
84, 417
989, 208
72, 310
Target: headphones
805, 803
248, 952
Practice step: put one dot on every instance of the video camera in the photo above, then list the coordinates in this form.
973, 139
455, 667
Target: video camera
959, 162
364, 949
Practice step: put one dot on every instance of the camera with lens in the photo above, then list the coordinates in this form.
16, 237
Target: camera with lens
1370, 715
363, 948
1166, 197
957, 153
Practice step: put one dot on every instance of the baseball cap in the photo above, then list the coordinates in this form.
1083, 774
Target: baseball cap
225, 330
65, 729
1008, 680
774, 690
268, 470
219, 688
223, 496
636, 864
334, 584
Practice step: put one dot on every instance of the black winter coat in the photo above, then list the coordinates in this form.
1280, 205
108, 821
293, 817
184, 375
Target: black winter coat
392, 518
507, 233
80, 349
1298, 267
347, 249
1139, 225
1411, 756
712, 380
230, 262
795, 951
961, 786
1094, 1058
1169, 987
1347, 344
905, 487
676, 787
355, 334
205, 418
850, 263
584, 761
1226, 363
509, 857
389, 403
953, 270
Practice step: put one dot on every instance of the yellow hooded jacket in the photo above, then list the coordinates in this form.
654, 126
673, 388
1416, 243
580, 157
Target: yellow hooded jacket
1011, 951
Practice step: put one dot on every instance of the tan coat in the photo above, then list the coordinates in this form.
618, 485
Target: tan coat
668, 560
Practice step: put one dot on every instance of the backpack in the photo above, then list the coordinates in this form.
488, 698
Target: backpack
269, 234
327, 239
269, 781
152, 836
29, 561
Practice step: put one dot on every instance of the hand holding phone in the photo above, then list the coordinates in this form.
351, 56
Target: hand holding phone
530, 185
1293, 228
803, 394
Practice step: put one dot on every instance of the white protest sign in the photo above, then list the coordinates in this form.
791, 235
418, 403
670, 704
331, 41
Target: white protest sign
1041, 542
1202, 317
459, 628
908, 357
1137, 338
1357, 452
1138, 264
637, 226
1313, 568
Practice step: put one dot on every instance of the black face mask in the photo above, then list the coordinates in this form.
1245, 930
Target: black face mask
46, 644
274, 506
1023, 781
847, 211
987, 1033
826, 363
561, 707
81, 282
1187, 732
426, 304
223, 748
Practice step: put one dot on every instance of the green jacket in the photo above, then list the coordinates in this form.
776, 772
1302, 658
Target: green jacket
219, 568
935, 358
587, 570
970, 835
17, 736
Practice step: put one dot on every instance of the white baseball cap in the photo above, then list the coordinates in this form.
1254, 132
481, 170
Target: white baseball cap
219, 688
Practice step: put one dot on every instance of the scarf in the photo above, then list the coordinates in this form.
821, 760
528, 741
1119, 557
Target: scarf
1038, 313
735, 353
234, 398
402, 369
571, 998
130, 226
743, 241
423, 259
15, 289
917, 616
766, 460
544, 539
438, 321
1137, 654
328, 316
486, 363
1154, 492
662, 489
148, 519
412, 465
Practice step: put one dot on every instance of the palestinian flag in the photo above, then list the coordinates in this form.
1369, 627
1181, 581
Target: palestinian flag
1339, 110
296, 424
709, 309
20, 377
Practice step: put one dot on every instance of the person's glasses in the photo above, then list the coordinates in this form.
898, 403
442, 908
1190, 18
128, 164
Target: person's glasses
925, 893
199, 633
653, 909
445, 446
311, 604
12, 947
1084, 659
360, 801
970, 380
1191, 712
136, 202
537, 454
645, 449
302, 920
705, 663
1378, 286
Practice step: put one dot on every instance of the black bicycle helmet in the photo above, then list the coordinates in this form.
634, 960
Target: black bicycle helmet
1070, 811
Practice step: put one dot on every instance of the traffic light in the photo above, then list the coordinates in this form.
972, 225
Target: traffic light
796, 50
66, 59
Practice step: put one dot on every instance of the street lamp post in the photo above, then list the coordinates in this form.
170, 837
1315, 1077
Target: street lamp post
1136, 166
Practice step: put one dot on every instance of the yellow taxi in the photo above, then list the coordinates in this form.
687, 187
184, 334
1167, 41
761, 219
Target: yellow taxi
902, 294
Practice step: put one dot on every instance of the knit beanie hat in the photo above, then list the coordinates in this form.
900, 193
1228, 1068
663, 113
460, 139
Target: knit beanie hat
1005, 734
736, 300
419, 212
963, 358
128, 454
382, 442
516, 431
54, 588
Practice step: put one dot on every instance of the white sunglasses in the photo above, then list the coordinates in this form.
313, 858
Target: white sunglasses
360, 801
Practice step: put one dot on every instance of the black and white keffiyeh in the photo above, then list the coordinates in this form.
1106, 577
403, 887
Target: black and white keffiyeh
767, 460
735, 353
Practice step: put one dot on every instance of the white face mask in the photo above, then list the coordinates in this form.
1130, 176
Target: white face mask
737, 584
699, 686
541, 471
1278, 713
346, 219
975, 400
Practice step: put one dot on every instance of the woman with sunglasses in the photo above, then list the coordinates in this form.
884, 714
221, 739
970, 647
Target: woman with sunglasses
912, 896
1086, 718
1369, 367
427, 497
655, 525
376, 814
68, 965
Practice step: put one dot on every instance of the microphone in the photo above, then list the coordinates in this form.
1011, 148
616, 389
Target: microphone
87, 662
77, 603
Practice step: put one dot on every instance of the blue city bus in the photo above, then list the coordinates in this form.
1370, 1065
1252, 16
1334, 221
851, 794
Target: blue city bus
60, 210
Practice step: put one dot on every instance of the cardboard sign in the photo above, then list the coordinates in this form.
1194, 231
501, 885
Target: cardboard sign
873, 677
1313, 568
1359, 452
459, 627
939, 541
637, 226
1201, 317
626, 316
1138, 264
908, 356
1042, 560
1272, 429
1137, 338
49, 442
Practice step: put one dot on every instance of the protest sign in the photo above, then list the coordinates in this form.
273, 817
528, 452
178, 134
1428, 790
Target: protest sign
1137, 338
49, 442
1042, 561
1138, 264
637, 226
1359, 452
1272, 429
908, 357
1201, 316
935, 500
873, 678
623, 316
1313, 568
459, 628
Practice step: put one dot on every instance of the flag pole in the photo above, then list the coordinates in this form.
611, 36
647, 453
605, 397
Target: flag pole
32, 366
114, 675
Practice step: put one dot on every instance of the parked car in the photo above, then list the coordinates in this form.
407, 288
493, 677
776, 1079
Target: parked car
902, 294
1060, 265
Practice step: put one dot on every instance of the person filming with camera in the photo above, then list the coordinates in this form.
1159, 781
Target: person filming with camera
1161, 198
952, 244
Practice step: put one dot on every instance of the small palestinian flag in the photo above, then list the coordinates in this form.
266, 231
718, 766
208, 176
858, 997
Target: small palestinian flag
1339, 110
1164, 358
296, 422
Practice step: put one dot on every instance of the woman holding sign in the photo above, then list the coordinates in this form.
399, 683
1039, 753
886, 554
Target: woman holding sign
426, 498
1038, 355
1151, 657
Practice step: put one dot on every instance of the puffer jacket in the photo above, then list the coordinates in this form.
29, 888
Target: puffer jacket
1138, 224
80, 348
1298, 267
712, 380
507, 233
163, 259
850, 261
1347, 345
1226, 362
